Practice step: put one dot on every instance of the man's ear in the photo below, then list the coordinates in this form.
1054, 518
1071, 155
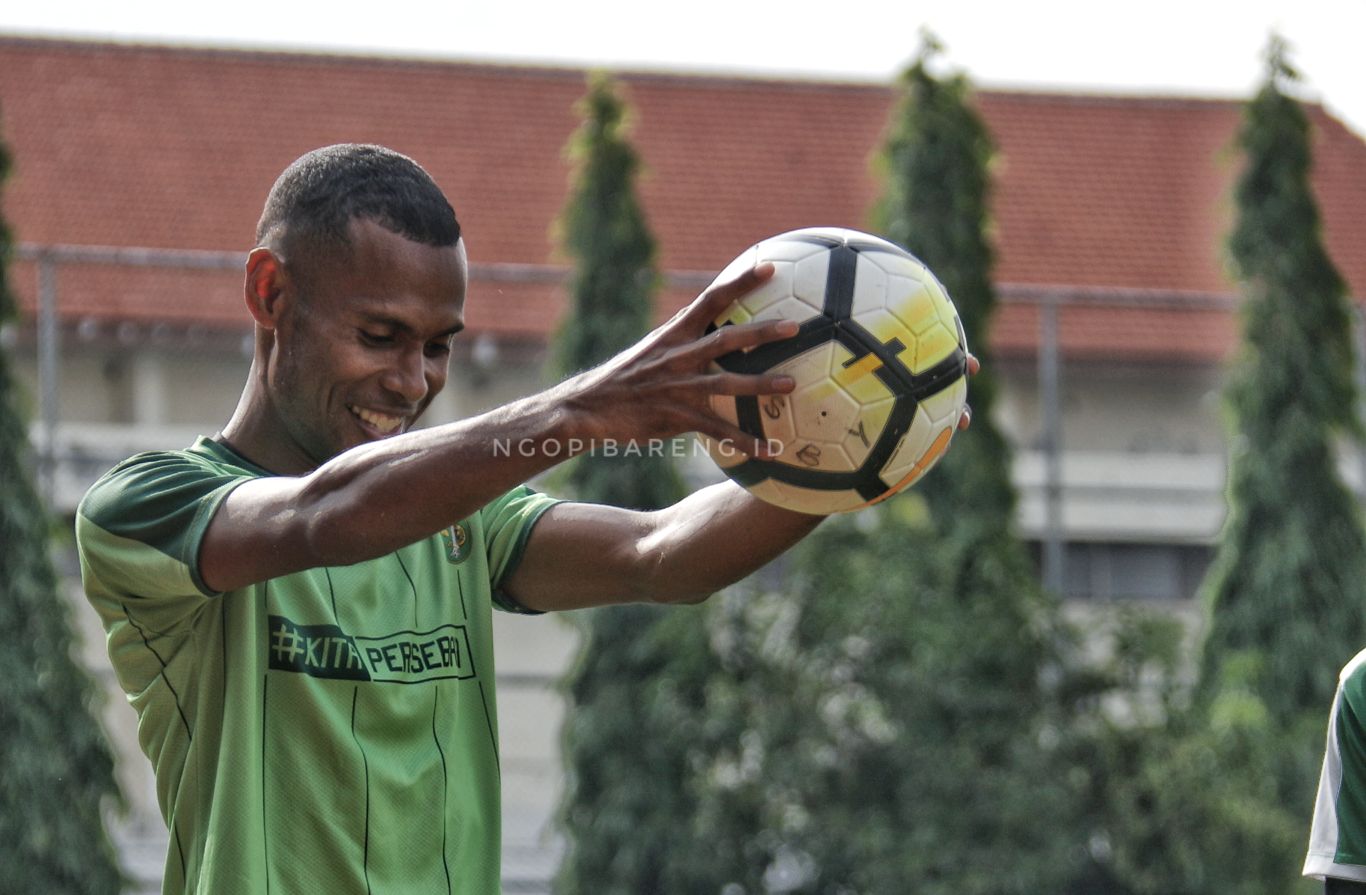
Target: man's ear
266, 284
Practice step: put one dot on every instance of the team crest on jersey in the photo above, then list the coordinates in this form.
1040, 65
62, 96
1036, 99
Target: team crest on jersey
456, 538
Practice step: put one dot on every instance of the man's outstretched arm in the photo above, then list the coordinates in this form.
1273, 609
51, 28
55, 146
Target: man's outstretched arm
583, 554
375, 498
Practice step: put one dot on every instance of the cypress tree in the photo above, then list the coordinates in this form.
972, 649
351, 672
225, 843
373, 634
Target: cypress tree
964, 679
1287, 588
1217, 796
892, 729
1286, 591
937, 204
56, 774
612, 290
634, 685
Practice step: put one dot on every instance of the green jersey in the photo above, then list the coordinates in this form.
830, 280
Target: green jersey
334, 730
1337, 838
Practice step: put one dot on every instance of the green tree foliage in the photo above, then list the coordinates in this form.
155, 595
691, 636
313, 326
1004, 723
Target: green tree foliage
990, 645
1288, 583
612, 290
895, 719
1286, 594
1215, 793
936, 203
1176, 801
895, 736
1189, 796
635, 685
1192, 800
56, 772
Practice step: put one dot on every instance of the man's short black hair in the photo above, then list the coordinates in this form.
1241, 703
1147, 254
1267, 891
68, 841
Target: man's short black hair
314, 201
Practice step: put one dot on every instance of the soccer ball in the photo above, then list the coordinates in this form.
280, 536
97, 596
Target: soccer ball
880, 363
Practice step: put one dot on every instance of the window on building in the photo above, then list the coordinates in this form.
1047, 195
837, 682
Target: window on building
1121, 571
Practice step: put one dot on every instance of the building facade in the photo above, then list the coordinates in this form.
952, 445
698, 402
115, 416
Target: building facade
139, 172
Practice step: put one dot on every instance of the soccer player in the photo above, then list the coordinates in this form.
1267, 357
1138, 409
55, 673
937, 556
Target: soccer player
1337, 839
299, 607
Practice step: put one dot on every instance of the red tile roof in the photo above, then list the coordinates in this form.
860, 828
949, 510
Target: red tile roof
122, 145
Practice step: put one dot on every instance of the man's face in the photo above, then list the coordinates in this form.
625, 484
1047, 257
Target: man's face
365, 345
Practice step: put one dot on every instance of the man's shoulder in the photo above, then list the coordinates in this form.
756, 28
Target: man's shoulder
162, 476
514, 500
1353, 680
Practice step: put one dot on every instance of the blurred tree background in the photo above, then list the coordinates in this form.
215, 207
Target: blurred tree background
897, 706
1286, 593
900, 706
612, 287
900, 712
634, 685
1288, 586
1214, 791
56, 769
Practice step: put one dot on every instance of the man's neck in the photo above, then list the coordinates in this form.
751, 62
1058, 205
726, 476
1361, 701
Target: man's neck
253, 431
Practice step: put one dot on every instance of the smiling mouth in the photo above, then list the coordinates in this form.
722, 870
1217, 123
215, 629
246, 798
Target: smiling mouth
382, 423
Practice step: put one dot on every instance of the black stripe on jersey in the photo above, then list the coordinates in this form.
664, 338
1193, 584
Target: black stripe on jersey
365, 763
265, 764
493, 737
331, 592
411, 585
265, 785
180, 851
142, 632
223, 606
445, 788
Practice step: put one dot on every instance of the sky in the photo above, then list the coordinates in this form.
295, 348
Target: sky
1208, 48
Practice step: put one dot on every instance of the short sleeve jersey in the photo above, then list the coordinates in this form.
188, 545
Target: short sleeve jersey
1337, 839
334, 730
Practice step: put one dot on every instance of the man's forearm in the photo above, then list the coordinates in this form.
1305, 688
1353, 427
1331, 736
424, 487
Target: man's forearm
583, 555
717, 536
388, 494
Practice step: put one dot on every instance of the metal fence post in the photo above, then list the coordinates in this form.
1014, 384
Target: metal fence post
1054, 555
1359, 377
49, 352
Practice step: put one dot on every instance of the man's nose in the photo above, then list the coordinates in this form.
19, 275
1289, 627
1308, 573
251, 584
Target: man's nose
407, 377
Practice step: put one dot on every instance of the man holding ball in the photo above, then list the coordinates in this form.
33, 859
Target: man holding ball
299, 607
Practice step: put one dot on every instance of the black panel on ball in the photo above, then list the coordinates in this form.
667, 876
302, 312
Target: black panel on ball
835, 323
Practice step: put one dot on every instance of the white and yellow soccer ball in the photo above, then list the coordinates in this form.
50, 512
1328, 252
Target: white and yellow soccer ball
880, 363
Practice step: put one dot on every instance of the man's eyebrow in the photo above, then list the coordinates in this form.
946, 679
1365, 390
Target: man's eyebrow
400, 326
